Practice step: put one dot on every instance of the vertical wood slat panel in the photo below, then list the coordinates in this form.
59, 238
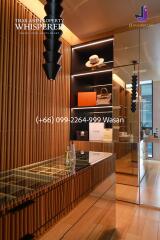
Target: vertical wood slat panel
25, 93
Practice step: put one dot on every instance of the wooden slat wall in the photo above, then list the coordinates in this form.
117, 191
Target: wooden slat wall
26, 93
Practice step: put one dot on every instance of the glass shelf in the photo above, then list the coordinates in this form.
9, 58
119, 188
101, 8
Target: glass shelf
92, 107
92, 72
22, 181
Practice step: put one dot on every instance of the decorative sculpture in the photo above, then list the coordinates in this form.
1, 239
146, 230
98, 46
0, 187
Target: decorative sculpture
134, 90
52, 42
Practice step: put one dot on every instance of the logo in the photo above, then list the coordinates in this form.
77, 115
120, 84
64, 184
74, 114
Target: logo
143, 15
50, 26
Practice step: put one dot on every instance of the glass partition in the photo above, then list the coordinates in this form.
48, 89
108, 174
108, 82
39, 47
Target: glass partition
126, 132
137, 138
150, 116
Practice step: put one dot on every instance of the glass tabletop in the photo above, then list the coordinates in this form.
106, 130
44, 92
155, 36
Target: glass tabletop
21, 181
25, 180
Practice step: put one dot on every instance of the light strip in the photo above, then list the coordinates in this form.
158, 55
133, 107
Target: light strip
102, 112
81, 108
94, 43
145, 82
90, 73
129, 85
109, 62
96, 86
118, 80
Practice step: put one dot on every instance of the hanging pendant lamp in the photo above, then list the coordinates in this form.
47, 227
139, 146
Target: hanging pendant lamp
134, 89
52, 42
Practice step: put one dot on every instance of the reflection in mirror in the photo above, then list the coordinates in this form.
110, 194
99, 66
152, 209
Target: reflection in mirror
126, 133
127, 130
150, 116
126, 47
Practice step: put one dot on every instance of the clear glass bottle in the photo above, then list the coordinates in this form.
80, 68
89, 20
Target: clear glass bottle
68, 156
73, 150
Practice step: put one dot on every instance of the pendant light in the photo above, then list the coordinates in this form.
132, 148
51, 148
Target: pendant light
134, 89
52, 42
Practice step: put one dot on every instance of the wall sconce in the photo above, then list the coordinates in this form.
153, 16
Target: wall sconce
52, 42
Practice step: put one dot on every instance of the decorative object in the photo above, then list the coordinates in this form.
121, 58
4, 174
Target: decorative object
52, 43
147, 131
104, 98
108, 134
95, 61
156, 133
82, 155
134, 93
96, 131
124, 137
82, 135
68, 156
134, 89
87, 99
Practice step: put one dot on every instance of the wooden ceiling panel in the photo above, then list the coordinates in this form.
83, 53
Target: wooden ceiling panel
88, 18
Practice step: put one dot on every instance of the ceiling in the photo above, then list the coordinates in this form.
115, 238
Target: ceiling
143, 46
150, 53
87, 18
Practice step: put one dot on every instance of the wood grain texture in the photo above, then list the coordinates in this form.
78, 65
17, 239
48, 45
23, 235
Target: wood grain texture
93, 146
149, 186
25, 93
55, 201
93, 218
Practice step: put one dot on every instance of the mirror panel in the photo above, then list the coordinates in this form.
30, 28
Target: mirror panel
126, 133
150, 116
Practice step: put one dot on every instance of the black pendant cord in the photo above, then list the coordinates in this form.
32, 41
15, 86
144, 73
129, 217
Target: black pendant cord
52, 42
134, 89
